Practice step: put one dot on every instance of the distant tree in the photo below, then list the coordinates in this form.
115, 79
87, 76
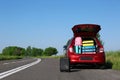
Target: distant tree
37, 51
29, 51
50, 51
40, 51
19, 51
13, 51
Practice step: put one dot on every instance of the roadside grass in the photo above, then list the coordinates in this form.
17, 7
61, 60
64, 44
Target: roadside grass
4, 57
7, 57
113, 57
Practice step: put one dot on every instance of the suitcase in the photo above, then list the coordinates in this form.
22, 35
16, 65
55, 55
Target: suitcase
88, 50
91, 44
88, 47
87, 41
78, 49
78, 41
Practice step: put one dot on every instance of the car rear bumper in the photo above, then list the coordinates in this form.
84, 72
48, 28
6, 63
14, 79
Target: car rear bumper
98, 58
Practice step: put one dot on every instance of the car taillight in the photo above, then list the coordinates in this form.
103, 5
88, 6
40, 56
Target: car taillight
71, 49
101, 50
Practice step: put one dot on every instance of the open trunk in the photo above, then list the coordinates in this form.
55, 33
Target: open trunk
86, 30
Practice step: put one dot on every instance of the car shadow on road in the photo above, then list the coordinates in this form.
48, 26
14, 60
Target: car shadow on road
107, 65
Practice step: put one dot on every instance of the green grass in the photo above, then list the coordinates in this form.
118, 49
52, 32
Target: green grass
3, 57
114, 58
7, 57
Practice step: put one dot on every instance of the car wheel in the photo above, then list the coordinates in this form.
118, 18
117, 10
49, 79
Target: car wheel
64, 65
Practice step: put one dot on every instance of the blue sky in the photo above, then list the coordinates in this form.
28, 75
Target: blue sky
44, 23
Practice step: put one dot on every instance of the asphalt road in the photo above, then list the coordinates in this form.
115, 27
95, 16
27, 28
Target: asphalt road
48, 69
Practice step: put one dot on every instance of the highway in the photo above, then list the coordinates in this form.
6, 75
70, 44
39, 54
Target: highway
48, 69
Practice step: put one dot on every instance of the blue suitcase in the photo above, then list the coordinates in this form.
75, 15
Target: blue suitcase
78, 49
88, 47
88, 50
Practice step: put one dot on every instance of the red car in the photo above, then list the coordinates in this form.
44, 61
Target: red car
83, 48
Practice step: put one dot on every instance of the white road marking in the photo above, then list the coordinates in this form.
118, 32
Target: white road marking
5, 63
13, 62
12, 71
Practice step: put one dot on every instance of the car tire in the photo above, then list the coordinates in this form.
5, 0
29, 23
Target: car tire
64, 65
100, 66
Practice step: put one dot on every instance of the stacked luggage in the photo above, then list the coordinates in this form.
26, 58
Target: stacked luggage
88, 46
85, 46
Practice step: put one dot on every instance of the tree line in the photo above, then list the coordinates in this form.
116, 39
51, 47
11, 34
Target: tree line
29, 51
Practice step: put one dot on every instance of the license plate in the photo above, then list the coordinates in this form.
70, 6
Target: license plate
86, 58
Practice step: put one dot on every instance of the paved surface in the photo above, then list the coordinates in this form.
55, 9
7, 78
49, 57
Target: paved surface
10, 64
48, 69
